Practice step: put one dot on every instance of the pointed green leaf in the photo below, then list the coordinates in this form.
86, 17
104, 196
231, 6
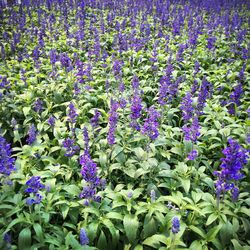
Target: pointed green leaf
39, 232
114, 215
198, 231
155, 240
211, 219
24, 239
131, 225
213, 232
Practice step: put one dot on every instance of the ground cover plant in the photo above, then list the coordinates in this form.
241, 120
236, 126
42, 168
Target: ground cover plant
124, 124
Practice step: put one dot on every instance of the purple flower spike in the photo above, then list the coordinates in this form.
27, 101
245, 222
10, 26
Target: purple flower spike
191, 133
51, 121
233, 162
192, 155
72, 115
95, 119
32, 133
186, 107
84, 240
113, 120
7, 163
34, 184
151, 124
71, 148
175, 225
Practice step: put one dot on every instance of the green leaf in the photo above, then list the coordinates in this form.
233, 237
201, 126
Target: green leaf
26, 110
211, 219
138, 247
92, 230
70, 241
217, 124
24, 239
114, 215
176, 200
155, 240
103, 159
140, 153
245, 210
131, 225
186, 184
64, 209
149, 227
117, 150
39, 232
198, 231
72, 189
196, 245
176, 150
237, 245
213, 232
102, 242
139, 172
16, 221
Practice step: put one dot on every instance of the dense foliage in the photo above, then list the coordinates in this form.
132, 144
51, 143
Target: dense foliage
124, 124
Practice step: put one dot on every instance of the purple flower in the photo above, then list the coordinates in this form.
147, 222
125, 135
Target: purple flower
86, 140
38, 105
65, 62
191, 132
32, 133
151, 124
89, 174
117, 68
123, 103
4, 83
7, 238
53, 56
7, 163
186, 107
168, 89
136, 108
211, 42
192, 155
51, 121
175, 225
77, 90
231, 165
34, 185
121, 87
195, 87
234, 98
84, 240
152, 195
72, 115
196, 67
135, 82
241, 73
113, 120
88, 192
71, 148
37, 200
36, 53
205, 92
95, 119
130, 194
